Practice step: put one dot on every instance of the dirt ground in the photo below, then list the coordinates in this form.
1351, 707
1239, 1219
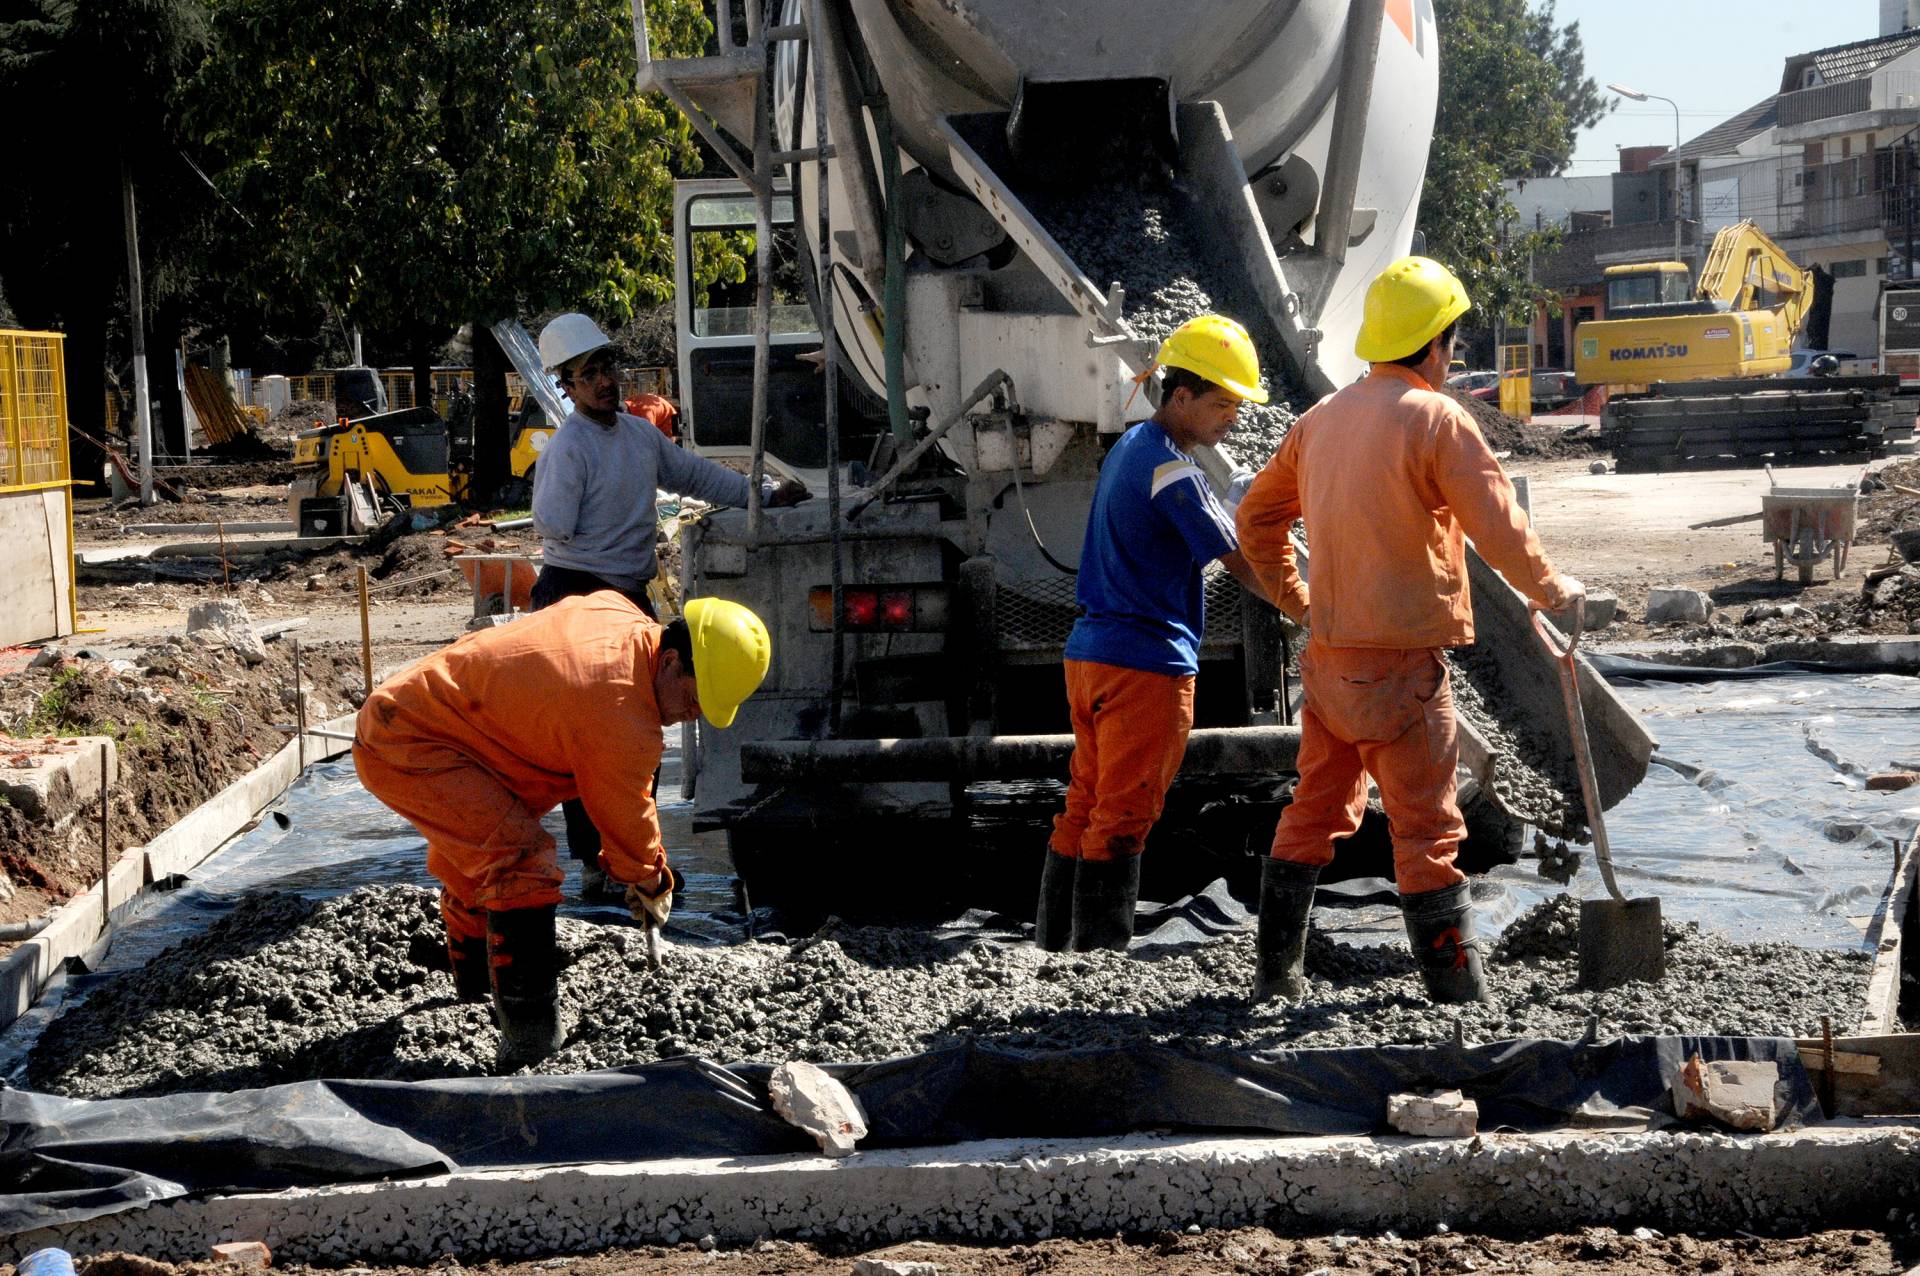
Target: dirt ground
1254, 1251
1630, 533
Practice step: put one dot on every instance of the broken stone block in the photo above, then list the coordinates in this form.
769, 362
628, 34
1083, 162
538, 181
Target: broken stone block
1774, 611
47, 779
1601, 608
1670, 606
1447, 1115
1738, 1093
1893, 781
807, 1097
48, 655
245, 1253
224, 620
894, 1267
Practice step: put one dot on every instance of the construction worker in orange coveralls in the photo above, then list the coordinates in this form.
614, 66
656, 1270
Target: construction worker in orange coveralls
476, 742
1390, 476
1134, 651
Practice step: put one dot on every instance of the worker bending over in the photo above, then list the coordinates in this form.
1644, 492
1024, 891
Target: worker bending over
593, 503
476, 742
1134, 651
1390, 476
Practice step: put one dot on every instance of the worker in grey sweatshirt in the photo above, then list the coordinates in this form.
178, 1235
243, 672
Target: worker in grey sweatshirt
593, 503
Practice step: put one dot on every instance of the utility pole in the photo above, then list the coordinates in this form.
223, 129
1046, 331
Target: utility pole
137, 321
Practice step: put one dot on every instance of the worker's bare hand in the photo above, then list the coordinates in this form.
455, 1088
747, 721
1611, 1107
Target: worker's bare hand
790, 491
653, 898
1568, 588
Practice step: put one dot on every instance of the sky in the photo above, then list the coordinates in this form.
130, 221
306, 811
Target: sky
1712, 64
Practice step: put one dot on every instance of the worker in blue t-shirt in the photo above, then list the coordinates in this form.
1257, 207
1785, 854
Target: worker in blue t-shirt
1134, 651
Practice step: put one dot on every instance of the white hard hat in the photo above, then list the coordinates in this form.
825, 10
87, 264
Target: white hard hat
568, 337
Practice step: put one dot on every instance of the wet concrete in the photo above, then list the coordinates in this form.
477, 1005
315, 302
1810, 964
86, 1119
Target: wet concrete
287, 989
1151, 238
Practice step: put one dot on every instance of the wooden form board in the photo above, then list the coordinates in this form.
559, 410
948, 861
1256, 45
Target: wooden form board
36, 566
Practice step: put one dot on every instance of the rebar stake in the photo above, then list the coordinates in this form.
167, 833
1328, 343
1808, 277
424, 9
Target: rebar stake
106, 847
366, 634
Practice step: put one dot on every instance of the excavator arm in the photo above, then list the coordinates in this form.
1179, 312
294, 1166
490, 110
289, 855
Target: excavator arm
1745, 270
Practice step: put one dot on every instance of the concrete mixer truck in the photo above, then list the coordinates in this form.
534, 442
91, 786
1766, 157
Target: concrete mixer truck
972, 225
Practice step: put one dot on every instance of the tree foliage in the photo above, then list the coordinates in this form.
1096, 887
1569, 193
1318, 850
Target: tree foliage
426, 162
1514, 95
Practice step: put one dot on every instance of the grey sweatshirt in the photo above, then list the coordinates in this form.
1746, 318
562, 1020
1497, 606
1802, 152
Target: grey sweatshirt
593, 493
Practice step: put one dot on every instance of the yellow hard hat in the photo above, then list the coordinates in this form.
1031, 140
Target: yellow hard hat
1410, 304
1218, 349
731, 652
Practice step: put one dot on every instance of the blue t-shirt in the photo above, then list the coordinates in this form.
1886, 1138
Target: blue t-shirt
1154, 525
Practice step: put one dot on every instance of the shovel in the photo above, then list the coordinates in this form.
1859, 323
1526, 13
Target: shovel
1621, 940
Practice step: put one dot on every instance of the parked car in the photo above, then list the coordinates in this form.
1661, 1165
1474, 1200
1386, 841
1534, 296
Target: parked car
1553, 389
1468, 382
1803, 361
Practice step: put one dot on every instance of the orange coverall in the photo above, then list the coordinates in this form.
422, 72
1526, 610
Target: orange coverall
1129, 735
651, 407
475, 743
1391, 478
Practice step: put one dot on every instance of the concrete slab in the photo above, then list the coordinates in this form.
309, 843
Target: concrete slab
1018, 1190
51, 777
233, 547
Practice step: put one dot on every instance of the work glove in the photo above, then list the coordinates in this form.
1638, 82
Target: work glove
653, 898
790, 491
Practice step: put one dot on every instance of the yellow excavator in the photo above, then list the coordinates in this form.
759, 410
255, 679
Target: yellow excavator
1692, 375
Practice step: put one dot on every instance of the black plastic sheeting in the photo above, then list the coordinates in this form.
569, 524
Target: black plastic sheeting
70, 1159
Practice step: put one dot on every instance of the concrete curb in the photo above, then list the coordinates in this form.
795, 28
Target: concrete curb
1866, 653
78, 924
1024, 1190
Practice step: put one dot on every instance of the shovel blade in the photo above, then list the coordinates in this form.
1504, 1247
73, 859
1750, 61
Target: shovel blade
1620, 943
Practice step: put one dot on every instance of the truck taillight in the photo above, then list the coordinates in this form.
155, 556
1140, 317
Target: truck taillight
880, 609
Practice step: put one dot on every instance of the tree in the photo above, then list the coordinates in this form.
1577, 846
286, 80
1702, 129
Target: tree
419, 164
1514, 94
62, 244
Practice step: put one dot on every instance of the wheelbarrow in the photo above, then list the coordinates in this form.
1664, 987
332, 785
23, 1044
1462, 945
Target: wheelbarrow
1807, 524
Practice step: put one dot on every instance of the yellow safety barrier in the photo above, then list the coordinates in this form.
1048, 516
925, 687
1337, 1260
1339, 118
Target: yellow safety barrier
33, 410
1516, 381
36, 489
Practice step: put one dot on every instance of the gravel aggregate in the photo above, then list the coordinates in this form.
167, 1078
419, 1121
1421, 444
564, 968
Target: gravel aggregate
284, 989
1532, 778
1150, 238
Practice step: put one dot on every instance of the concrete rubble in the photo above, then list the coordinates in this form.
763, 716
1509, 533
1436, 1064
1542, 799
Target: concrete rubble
805, 1096
248, 1254
1447, 1115
894, 1267
287, 989
1677, 606
226, 621
49, 779
1737, 1092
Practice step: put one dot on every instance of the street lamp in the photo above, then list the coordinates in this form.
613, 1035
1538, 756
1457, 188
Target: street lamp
1637, 96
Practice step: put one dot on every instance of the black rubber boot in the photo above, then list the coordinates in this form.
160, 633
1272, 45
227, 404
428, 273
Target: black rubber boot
1104, 893
525, 968
1439, 926
1286, 901
1053, 921
468, 960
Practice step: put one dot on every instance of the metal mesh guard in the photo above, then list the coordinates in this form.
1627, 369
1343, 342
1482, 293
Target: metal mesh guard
1038, 614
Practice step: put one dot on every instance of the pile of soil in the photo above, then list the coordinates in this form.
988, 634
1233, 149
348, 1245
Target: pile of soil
189, 717
270, 471
1594, 1251
285, 989
416, 565
1505, 433
194, 507
1884, 511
